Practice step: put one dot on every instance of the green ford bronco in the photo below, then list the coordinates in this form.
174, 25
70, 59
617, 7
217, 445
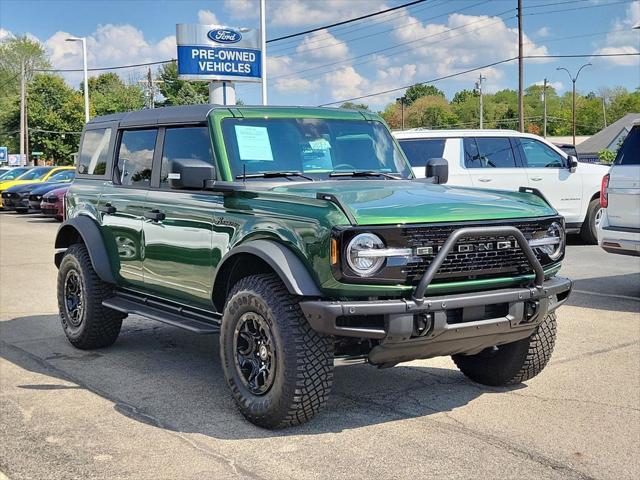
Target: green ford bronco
301, 236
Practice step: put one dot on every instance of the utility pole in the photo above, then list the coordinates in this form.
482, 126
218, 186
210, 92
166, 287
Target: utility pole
520, 71
22, 112
401, 100
479, 89
604, 111
573, 110
544, 105
149, 86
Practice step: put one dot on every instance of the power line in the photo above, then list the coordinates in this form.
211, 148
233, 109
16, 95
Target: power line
351, 20
96, 69
585, 55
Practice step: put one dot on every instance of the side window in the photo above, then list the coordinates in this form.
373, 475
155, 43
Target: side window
488, 152
186, 142
539, 155
94, 152
629, 153
419, 151
135, 156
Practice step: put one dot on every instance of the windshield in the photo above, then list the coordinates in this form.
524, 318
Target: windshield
313, 146
63, 176
35, 173
13, 173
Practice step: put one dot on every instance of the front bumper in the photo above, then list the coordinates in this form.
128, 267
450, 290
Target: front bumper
424, 327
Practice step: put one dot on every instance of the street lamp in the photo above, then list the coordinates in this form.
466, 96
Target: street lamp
573, 81
86, 79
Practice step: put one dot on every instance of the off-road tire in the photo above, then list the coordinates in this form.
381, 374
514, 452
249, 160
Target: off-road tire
98, 326
303, 358
589, 231
511, 363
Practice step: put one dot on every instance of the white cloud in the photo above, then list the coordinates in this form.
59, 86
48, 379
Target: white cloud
207, 17
543, 32
277, 66
345, 83
623, 38
322, 45
242, 8
295, 13
5, 34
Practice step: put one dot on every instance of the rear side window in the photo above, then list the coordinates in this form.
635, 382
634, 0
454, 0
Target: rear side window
135, 157
187, 142
94, 151
629, 153
419, 151
488, 152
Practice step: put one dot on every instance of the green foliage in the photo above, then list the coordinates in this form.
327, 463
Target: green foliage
418, 90
109, 94
606, 156
355, 106
180, 92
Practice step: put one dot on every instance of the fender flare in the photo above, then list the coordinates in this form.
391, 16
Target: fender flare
282, 260
88, 230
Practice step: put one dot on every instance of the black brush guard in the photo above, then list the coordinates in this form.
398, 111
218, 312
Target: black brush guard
424, 327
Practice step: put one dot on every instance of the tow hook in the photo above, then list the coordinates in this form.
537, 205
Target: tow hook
422, 324
531, 310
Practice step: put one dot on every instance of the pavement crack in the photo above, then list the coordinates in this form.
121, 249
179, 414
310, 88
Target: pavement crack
594, 352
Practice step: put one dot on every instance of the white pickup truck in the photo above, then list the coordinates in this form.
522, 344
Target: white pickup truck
508, 160
619, 230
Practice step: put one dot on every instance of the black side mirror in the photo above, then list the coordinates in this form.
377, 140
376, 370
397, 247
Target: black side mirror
438, 170
190, 174
573, 163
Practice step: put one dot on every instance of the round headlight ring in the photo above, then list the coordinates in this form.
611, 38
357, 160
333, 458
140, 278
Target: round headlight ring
364, 266
555, 230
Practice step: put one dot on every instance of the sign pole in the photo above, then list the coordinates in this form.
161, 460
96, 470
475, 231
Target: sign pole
263, 44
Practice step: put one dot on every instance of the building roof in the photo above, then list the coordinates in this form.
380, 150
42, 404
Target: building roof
607, 137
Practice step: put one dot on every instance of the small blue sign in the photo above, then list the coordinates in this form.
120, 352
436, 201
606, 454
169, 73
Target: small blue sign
226, 63
224, 35
4, 155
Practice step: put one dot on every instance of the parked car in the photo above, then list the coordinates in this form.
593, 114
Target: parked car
52, 204
33, 175
619, 229
508, 160
304, 241
12, 173
18, 197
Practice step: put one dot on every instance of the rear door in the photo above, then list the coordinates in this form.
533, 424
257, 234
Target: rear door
123, 202
492, 163
624, 184
548, 171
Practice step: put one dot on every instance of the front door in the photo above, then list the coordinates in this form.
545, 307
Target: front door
492, 163
123, 203
549, 172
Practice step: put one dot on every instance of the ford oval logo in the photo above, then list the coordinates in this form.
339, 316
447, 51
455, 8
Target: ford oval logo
224, 35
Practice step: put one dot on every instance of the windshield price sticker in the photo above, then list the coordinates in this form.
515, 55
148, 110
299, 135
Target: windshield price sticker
253, 143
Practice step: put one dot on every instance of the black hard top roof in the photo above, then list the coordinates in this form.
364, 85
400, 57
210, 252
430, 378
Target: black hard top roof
179, 114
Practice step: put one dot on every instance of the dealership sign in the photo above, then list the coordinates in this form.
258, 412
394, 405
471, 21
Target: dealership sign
212, 52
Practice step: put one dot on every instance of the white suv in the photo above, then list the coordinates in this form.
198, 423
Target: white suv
619, 230
508, 160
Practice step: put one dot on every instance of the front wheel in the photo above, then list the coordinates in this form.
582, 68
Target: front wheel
514, 362
279, 369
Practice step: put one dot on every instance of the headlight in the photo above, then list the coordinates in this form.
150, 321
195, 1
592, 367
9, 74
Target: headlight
362, 256
552, 243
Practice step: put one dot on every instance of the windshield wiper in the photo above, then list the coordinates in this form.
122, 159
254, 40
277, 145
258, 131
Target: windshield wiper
363, 173
273, 175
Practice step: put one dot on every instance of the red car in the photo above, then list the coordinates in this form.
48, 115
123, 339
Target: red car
52, 204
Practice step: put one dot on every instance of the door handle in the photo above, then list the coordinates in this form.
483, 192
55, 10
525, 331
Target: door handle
108, 209
155, 215
536, 179
484, 179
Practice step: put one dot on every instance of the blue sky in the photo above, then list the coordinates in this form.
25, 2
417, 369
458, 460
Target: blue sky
428, 40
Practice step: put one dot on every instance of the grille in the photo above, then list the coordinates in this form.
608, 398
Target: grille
474, 264
49, 199
9, 195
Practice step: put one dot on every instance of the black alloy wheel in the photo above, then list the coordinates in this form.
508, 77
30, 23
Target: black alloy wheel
255, 353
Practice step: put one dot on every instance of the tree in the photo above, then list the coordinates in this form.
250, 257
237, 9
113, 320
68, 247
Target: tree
355, 106
463, 96
14, 52
109, 94
55, 110
393, 116
421, 90
432, 111
180, 92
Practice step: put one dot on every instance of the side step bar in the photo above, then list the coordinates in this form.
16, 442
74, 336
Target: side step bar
169, 313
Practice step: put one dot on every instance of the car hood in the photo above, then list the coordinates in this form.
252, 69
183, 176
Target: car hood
382, 202
42, 188
13, 183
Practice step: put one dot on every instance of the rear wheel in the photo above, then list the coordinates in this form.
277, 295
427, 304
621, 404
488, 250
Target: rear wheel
514, 362
85, 321
279, 369
589, 230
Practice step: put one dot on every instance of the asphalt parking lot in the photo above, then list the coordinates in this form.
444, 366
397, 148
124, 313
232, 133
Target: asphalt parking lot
155, 405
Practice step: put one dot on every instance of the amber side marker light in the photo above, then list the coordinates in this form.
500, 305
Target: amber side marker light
334, 251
